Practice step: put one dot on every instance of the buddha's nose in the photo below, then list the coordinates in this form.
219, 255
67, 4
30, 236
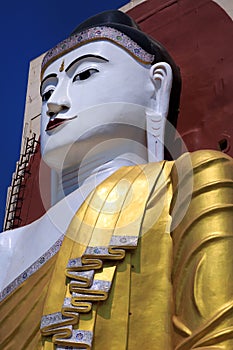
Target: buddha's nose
55, 108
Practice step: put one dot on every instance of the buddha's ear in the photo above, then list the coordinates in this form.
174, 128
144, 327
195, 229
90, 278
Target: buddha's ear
161, 76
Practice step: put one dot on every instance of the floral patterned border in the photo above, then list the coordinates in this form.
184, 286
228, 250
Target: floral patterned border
31, 269
93, 34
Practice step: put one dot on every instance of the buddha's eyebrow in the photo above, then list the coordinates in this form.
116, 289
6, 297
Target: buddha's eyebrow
86, 56
45, 78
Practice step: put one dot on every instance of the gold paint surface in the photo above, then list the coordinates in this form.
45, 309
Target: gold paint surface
174, 292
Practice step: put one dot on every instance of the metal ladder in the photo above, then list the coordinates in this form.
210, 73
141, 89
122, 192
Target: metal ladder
19, 179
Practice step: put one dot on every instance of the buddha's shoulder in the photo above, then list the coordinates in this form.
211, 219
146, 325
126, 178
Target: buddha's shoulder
203, 168
202, 159
206, 155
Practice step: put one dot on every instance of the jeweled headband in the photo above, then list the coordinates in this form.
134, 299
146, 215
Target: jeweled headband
95, 34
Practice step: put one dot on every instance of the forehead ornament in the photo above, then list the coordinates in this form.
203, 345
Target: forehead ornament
95, 34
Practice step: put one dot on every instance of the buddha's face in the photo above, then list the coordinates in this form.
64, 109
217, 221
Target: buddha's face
86, 92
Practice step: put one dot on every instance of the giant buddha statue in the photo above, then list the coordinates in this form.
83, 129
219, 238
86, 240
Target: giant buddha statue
136, 251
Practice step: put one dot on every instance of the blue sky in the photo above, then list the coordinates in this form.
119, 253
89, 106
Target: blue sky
29, 28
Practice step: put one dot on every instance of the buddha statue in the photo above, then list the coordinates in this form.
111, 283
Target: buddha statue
136, 251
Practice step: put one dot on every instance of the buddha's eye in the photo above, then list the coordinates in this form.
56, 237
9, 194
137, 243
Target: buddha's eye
47, 95
85, 74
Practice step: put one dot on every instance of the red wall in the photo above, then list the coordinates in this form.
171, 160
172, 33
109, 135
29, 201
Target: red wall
35, 191
199, 36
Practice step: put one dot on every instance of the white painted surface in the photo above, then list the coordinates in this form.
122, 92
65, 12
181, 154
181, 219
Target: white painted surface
93, 104
131, 5
92, 129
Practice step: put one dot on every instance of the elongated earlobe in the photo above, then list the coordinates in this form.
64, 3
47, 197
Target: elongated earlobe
161, 77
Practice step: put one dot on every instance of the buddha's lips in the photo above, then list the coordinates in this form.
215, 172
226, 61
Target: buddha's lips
52, 124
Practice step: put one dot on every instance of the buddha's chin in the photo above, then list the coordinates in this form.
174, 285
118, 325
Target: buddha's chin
72, 141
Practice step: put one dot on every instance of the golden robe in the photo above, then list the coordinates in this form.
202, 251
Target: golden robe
146, 263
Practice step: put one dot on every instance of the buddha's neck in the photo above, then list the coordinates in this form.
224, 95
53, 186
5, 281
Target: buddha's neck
93, 170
